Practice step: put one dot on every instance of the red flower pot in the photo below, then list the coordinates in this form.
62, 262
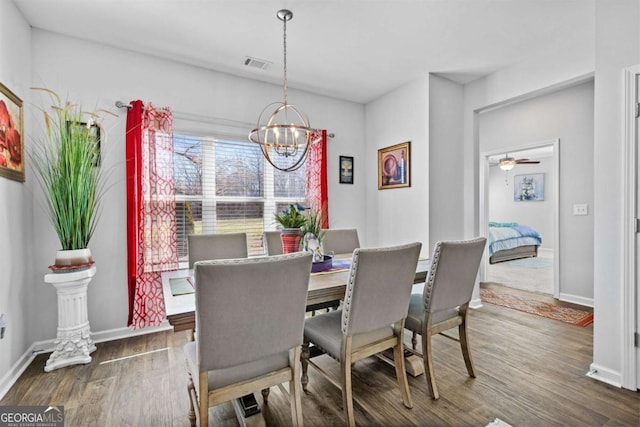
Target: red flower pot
291, 238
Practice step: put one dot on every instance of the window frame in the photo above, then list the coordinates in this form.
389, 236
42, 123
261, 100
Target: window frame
186, 126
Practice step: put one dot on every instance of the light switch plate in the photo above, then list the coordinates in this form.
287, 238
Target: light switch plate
581, 209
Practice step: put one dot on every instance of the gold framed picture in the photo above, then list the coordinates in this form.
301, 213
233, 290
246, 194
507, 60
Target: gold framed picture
11, 135
394, 166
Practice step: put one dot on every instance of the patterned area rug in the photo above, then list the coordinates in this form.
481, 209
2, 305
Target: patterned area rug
532, 306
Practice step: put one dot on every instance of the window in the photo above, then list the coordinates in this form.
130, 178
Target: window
226, 186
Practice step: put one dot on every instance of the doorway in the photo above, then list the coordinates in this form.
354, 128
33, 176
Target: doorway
499, 203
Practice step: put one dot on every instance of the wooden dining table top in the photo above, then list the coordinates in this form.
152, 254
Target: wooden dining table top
324, 287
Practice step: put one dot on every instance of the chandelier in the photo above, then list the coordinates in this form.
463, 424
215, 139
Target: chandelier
283, 131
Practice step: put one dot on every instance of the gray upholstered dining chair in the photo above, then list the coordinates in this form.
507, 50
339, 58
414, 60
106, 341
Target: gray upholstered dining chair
340, 240
372, 319
444, 301
216, 246
273, 242
236, 353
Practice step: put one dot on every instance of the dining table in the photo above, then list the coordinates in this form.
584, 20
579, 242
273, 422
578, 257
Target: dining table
326, 288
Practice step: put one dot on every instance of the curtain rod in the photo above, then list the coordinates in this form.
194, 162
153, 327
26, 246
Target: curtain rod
121, 104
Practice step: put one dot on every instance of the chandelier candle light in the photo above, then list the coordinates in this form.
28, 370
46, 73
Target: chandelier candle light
283, 131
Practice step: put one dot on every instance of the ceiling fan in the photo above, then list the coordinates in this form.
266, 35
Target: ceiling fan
507, 163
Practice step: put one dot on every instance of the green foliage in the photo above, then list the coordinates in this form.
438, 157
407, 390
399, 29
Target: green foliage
67, 166
314, 223
291, 218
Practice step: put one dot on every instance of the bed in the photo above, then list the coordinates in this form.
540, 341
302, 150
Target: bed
510, 240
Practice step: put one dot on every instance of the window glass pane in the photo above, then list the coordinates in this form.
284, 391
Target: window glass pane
238, 217
239, 169
227, 186
289, 184
189, 221
187, 163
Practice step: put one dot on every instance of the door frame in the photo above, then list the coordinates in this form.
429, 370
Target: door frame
631, 299
484, 203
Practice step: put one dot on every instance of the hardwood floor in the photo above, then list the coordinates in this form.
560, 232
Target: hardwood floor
530, 372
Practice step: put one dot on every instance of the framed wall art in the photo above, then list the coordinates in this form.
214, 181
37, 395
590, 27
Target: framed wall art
11, 135
346, 170
394, 166
528, 188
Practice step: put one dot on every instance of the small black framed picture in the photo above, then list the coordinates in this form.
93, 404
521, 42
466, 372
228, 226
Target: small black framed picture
346, 170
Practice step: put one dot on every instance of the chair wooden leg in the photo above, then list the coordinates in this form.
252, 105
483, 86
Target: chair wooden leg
347, 391
304, 361
466, 351
265, 395
191, 392
427, 359
204, 399
295, 388
401, 372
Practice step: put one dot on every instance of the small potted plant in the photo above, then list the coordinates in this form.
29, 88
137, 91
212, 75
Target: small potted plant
291, 222
313, 233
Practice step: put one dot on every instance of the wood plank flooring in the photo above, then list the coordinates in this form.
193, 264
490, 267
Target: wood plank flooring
530, 372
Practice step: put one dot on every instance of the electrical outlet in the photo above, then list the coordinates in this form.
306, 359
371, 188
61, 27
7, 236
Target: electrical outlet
581, 209
3, 325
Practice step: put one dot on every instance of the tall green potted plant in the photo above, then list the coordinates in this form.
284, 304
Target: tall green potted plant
69, 171
291, 222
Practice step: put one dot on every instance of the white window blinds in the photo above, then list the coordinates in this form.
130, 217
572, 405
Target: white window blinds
225, 186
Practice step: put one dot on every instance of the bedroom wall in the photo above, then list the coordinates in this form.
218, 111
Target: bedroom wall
16, 287
566, 114
538, 214
99, 76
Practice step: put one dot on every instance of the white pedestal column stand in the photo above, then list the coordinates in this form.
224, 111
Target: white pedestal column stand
73, 342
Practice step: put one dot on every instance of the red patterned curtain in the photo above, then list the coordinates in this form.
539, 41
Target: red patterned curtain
316, 191
151, 211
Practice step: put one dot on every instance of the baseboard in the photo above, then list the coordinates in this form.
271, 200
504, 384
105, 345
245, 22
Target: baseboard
475, 303
575, 299
47, 346
605, 375
12, 375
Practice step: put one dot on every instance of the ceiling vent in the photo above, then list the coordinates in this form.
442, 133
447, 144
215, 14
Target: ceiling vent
256, 63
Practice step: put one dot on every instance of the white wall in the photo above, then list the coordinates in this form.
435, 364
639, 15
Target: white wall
97, 75
399, 215
537, 214
537, 74
16, 286
446, 175
617, 46
566, 114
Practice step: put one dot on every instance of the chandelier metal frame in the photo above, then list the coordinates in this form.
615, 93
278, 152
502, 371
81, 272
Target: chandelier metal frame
277, 132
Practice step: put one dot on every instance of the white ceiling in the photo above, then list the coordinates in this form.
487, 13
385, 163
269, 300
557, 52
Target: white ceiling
350, 49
